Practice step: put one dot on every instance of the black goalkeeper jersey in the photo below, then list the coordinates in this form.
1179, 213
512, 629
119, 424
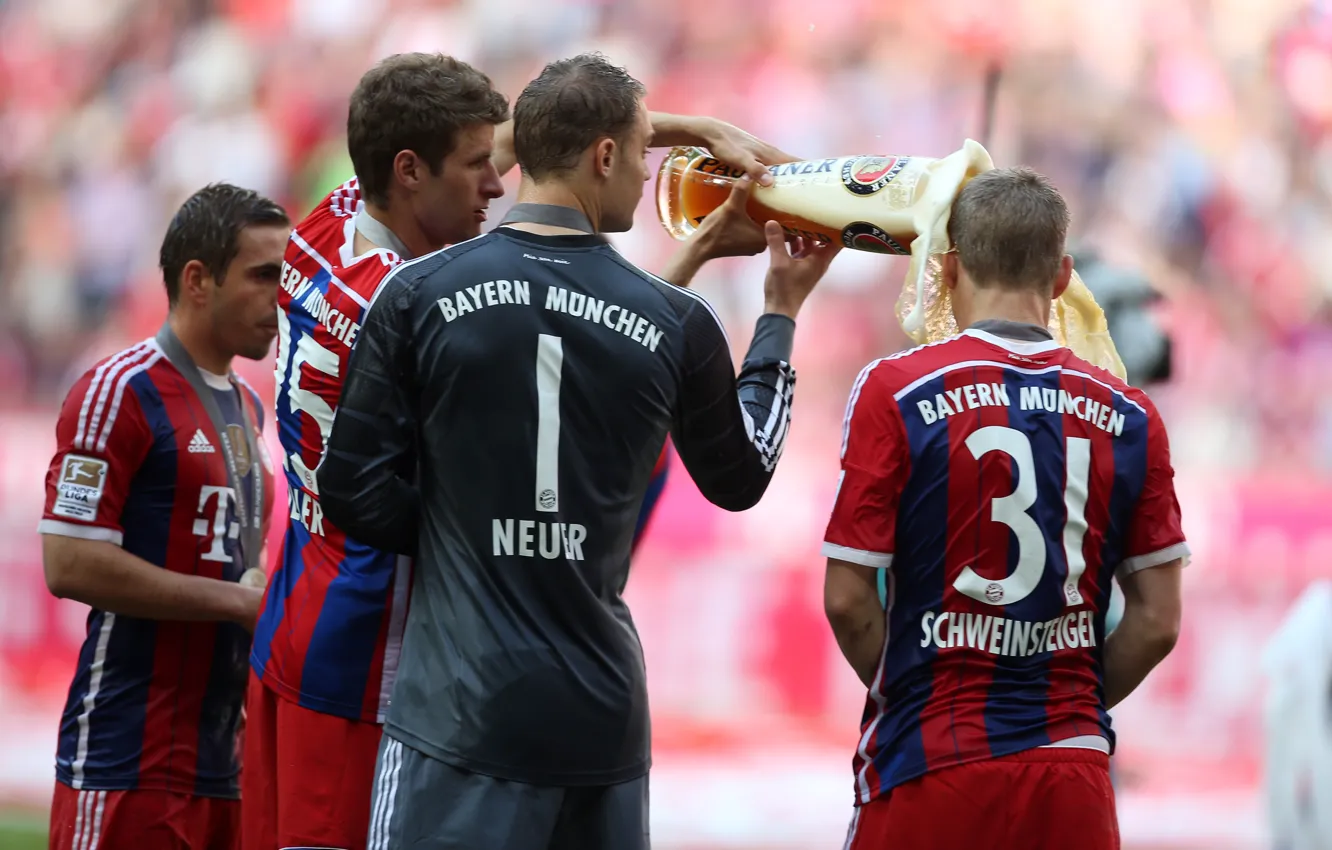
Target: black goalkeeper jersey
502, 413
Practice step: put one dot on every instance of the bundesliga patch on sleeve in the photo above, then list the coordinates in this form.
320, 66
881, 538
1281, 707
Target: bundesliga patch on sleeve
82, 480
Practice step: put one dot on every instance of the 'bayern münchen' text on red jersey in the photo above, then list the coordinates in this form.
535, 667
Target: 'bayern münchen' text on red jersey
154, 704
1000, 484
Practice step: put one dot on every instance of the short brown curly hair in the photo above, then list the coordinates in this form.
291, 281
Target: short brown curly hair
416, 102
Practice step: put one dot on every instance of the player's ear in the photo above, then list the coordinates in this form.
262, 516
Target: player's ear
195, 280
1064, 276
409, 169
604, 156
949, 270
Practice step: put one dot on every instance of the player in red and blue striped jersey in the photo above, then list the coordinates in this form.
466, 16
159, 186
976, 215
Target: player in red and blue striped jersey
420, 132
142, 524
428, 137
998, 483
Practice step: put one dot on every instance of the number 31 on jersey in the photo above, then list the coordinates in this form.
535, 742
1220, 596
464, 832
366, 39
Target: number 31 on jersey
1012, 511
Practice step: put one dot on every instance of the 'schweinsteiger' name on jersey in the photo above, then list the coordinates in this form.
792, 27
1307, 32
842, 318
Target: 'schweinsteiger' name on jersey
1001, 636
493, 293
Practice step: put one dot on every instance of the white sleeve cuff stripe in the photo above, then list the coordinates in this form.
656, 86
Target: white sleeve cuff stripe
83, 532
1154, 559
874, 560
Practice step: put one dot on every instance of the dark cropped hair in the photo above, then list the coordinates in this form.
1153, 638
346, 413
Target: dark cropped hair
207, 228
565, 110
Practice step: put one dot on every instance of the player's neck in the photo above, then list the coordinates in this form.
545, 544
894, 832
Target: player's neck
403, 225
1031, 308
559, 194
203, 350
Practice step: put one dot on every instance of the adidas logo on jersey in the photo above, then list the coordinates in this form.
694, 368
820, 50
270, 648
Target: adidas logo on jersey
199, 444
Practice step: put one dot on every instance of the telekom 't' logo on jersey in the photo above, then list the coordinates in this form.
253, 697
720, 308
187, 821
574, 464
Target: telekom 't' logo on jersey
215, 527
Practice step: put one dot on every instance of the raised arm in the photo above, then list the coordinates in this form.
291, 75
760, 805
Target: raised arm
366, 479
727, 231
730, 449
726, 142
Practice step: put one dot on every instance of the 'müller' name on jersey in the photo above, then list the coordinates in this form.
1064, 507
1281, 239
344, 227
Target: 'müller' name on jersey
495, 292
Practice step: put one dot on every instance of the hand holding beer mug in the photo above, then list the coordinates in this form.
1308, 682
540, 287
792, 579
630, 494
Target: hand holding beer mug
750, 154
793, 270
729, 231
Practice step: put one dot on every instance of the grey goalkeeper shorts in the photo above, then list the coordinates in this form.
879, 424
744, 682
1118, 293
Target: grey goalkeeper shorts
424, 804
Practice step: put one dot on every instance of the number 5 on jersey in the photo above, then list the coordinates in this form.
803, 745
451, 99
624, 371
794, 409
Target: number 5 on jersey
287, 365
1012, 511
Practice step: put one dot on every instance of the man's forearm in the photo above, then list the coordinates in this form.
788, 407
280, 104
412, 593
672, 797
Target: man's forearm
861, 640
504, 157
361, 491
670, 130
361, 484
667, 131
851, 604
106, 577
684, 264
384, 513
1132, 651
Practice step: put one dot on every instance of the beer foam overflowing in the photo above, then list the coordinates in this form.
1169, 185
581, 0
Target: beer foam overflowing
924, 309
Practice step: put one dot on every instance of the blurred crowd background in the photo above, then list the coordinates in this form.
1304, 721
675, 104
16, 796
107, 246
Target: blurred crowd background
1190, 137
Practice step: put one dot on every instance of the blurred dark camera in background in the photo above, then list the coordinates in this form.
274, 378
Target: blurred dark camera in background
1127, 296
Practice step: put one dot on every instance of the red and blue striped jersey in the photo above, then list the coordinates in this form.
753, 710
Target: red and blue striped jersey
154, 705
329, 635
329, 632
999, 485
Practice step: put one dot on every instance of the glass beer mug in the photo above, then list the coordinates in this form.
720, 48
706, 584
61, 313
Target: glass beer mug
868, 203
885, 204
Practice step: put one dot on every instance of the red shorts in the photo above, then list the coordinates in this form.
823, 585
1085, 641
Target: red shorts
143, 820
307, 776
1043, 799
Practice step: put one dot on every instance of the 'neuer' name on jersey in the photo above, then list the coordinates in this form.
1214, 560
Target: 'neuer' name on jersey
533, 539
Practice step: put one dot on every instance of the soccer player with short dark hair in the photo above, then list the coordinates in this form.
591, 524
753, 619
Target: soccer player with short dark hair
429, 138
157, 501
532, 376
992, 486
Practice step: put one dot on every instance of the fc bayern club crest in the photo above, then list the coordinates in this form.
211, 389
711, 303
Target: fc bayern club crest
868, 174
863, 236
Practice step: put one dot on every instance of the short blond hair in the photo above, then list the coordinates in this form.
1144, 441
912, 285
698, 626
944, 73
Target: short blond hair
1008, 227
